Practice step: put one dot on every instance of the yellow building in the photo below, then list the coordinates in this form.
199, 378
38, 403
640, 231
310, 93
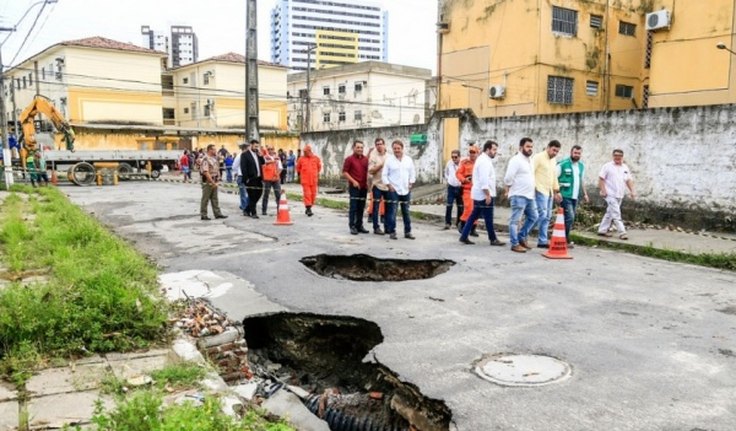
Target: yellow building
335, 48
92, 80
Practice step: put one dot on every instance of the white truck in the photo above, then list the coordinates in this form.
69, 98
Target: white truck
82, 166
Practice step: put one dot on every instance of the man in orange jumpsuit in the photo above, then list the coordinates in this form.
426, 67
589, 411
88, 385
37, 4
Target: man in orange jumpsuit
308, 167
465, 176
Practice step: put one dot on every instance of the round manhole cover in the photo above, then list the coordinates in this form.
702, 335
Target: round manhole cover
522, 370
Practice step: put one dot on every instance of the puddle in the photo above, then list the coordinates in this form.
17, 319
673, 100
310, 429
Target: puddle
362, 267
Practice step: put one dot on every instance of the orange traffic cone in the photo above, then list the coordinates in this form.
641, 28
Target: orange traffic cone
558, 245
54, 179
283, 216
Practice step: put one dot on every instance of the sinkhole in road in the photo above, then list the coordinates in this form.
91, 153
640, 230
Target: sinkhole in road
363, 267
325, 356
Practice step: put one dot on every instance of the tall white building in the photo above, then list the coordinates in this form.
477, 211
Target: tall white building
181, 45
297, 25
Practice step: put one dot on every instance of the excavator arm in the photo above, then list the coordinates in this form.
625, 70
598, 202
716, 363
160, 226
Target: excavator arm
43, 105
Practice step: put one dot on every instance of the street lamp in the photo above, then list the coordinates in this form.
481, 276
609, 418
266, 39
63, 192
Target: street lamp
721, 45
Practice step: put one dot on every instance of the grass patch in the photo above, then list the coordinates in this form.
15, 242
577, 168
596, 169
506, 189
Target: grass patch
145, 411
101, 295
725, 261
183, 375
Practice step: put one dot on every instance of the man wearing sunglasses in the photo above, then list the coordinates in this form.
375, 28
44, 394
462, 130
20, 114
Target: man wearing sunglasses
454, 189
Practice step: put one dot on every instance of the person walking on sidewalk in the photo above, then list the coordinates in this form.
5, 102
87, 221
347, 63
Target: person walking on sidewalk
454, 189
355, 170
251, 166
229, 168
570, 175
379, 189
210, 170
308, 167
613, 180
546, 188
483, 194
465, 176
399, 174
244, 148
185, 166
519, 181
290, 165
271, 178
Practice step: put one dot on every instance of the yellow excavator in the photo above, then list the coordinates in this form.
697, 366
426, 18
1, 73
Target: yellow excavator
41, 105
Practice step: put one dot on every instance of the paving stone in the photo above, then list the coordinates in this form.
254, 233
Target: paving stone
8, 415
67, 379
134, 355
7, 392
134, 367
55, 411
94, 359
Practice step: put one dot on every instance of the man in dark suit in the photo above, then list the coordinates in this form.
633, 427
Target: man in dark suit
251, 167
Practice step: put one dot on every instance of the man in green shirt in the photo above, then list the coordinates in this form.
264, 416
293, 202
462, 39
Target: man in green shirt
570, 175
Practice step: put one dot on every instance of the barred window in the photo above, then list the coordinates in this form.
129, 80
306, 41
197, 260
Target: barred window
591, 88
326, 117
596, 21
341, 117
358, 116
564, 20
559, 90
627, 28
625, 91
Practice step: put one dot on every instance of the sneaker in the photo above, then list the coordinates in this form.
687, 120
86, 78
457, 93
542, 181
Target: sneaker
519, 248
393, 236
605, 234
353, 231
378, 231
466, 241
542, 245
409, 236
497, 243
623, 236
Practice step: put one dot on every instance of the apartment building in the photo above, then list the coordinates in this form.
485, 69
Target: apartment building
331, 27
351, 96
180, 44
210, 94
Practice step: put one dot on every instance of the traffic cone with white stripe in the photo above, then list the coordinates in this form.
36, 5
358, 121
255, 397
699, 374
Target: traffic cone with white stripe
558, 244
283, 216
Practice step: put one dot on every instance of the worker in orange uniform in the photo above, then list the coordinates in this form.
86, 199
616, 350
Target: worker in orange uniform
308, 167
465, 176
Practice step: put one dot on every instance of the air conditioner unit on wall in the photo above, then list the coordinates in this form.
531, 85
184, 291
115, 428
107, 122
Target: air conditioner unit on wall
657, 20
496, 91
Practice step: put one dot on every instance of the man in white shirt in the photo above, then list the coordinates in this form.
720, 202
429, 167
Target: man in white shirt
519, 181
613, 180
244, 147
399, 175
483, 193
454, 189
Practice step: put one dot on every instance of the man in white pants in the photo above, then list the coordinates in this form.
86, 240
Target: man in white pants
613, 180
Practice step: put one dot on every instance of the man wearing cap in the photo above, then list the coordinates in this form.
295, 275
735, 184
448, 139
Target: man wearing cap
308, 167
244, 147
464, 174
251, 166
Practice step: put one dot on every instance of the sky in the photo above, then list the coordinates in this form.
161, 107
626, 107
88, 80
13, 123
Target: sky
219, 25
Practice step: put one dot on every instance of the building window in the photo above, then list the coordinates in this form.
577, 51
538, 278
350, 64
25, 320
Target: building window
564, 21
326, 91
627, 28
596, 21
559, 90
648, 53
193, 110
645, 97
186, 110
24, 82
303, 93
341, 117
43, 73
358, 116
326, 117
207, 110
185, 81
358, 87
591, 88
341, 89
625, 91
206, 78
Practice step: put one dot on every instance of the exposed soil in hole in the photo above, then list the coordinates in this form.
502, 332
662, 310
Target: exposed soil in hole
362, 267
324, 355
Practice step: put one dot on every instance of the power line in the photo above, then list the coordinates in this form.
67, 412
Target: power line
28, 34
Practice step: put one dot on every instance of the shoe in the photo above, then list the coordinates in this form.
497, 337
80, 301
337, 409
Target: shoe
246, 214
542, 245
460, 226
309, 212
473, 232
447, 227
522, 242
254, 215
605, 234
623, 236
497, 243
221, 216
518, 248
466, 241
378, 231
264, 213
409, 236
353, 231
393, 236
362, 230
205, 218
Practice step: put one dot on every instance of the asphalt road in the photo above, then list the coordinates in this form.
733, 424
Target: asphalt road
652, 344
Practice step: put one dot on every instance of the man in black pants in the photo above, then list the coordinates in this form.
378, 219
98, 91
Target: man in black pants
251, 167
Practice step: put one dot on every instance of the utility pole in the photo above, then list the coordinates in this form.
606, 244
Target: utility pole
309, 86
7, 159
251, 72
